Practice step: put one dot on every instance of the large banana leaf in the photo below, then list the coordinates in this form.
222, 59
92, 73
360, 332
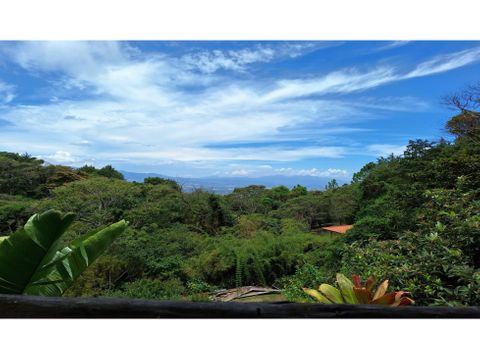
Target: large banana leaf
34, 261
22, 252
58, 272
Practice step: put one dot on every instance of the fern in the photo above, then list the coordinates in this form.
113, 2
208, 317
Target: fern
238, 270
258, 268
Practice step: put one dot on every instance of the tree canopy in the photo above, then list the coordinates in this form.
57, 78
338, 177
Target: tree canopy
415, 221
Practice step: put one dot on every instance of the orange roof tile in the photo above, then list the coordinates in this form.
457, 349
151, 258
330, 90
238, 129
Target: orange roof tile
340, 229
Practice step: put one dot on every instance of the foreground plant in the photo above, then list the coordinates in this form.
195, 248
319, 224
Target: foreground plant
34, 261
355, 293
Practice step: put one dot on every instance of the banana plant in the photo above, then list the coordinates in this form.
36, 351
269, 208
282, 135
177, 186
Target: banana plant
357, 293
34, 260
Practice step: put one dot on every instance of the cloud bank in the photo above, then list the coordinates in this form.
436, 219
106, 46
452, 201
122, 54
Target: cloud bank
112, 102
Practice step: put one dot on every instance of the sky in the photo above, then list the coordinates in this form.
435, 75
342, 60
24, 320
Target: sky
228, 108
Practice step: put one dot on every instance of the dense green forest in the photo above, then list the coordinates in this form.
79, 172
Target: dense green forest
416, 221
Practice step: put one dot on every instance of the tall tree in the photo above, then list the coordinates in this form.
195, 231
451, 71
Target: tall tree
467, 123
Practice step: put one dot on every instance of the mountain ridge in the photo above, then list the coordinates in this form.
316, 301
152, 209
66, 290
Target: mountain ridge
225, 185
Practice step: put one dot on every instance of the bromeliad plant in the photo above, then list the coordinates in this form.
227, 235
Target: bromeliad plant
355, 293
34, 261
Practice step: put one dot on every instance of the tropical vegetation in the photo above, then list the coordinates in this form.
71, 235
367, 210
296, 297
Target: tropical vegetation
355, 293
416, 221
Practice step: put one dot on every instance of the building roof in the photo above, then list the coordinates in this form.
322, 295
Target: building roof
339, 229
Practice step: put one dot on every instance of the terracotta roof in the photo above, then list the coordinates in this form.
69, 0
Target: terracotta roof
339, 229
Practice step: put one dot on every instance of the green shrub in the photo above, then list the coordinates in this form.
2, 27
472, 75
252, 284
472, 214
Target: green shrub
439, 262
151, 289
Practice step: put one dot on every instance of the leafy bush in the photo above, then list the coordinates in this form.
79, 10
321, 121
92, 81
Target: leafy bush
196, 286
306, 276
152, 289
106, 273
14, 212
107, 171
438, 262
156, 252
263, 259
96, 201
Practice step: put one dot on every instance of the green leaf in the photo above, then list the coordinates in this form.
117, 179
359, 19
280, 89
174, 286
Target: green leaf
34, 261
22, 252
332, 293
346, 287
58, 274
317, 296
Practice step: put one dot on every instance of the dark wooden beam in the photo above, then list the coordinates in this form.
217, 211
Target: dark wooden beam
15, 306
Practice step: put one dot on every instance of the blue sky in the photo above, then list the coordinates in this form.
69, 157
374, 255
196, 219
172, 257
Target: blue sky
227, 108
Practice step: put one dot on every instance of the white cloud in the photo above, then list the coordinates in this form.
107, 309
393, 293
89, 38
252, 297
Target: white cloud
190, 154
239, 172
339, 173
82, 143
210, 62
268, 170
344, 81
235, 169
7, 93
351, 80
59, 157
138, 110
446, 62
385, 149
392, 103
392, 45
238, 60
71, 57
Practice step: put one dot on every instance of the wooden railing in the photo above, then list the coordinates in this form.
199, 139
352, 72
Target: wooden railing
17, 306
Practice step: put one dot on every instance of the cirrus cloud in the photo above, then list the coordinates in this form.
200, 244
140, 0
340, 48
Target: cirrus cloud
138, 107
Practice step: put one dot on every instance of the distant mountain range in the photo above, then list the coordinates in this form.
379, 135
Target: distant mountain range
225, 185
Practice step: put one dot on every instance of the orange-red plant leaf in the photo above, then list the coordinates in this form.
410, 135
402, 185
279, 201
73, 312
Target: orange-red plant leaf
401, 298
356, 281
370, 283
363, 295
406, 301
381, 290
387, 299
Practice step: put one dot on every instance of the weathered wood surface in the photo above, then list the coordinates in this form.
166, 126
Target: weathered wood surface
243, 292
13, 306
